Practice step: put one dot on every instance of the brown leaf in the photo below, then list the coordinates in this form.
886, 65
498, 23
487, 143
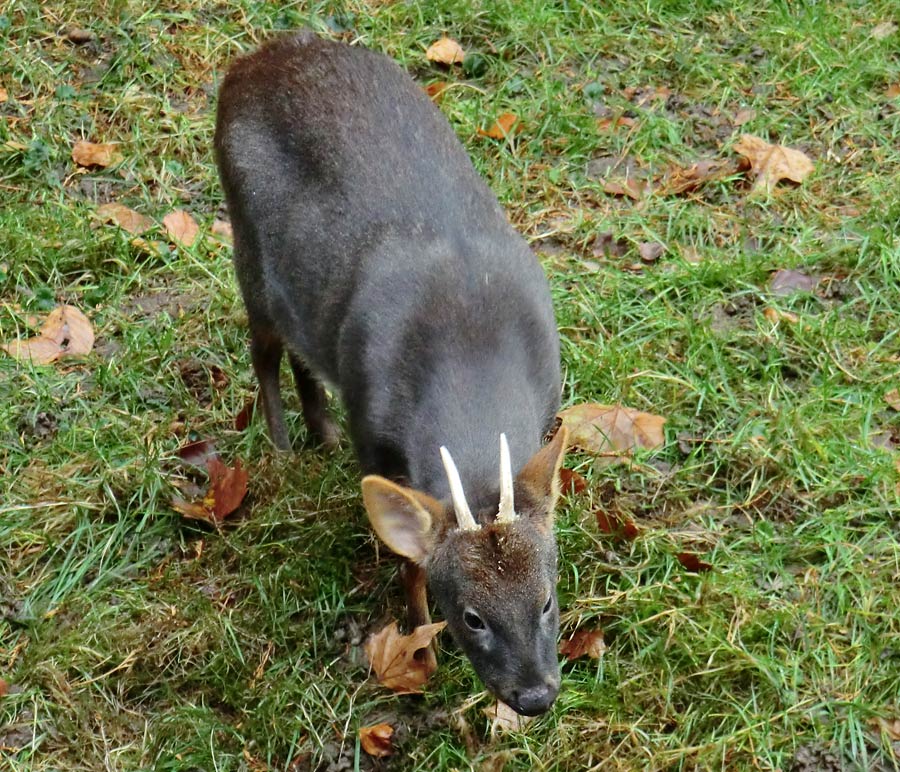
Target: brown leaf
393, 657
4, 95
222, 229
376, 740
771, 163
502, 127
4, 688
79, 36
181, 227
631, 187
891, 92
884, 30
505, 719
892, 397
572, 482
615, 524
691, 561
243, 418
445, 51
605, 124
787, 281
583, 643
125, 218
775, 316
92, 154
150, 248
198, 453
66, 332
680, 180
650, 251
743, 116
605, 428
228, 486
607, 245
436, 90
193, 510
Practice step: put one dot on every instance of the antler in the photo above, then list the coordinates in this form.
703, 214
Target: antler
507, 512
463, 514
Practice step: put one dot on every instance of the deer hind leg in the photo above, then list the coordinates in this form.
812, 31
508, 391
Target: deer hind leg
322, 428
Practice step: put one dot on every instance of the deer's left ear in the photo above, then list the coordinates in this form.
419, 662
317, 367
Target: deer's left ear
403, 518
540, 476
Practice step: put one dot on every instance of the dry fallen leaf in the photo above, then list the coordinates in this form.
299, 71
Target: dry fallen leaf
571, 482
151, 248
198, 453
892, 91
505, 719
678, 180
4, 95
612, 522
227, 488
376, 740
743, 116
606, 429
650, 251
502, 127
771, 163
445, 51
436, 90
393, 657
605, 124
4, 688
125, 218
691, 561
92, 154
631, 187
181, 227
222, 229
884, 30
775, 316
892, 397
583, 643
66, 332
787, 281
244, 416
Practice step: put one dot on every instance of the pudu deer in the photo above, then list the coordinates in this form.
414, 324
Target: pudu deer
367, 247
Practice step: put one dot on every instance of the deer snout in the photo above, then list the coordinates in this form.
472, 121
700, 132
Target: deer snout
534, 700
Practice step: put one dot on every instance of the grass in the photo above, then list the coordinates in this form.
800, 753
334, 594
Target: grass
131, 639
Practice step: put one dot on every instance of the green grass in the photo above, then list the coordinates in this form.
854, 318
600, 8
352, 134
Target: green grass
131, 639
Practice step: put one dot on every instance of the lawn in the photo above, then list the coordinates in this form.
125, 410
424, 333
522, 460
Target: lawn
132, 638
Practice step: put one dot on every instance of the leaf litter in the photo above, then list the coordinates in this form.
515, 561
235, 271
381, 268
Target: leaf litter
393, 657
376, 740
612, 429
67, 332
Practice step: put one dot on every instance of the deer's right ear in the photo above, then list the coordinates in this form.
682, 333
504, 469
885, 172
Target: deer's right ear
403, 518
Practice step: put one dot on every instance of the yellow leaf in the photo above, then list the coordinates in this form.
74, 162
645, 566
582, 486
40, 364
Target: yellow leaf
771, 163
445, 51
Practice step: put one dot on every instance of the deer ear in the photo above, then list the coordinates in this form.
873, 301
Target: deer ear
540, 475
402, 517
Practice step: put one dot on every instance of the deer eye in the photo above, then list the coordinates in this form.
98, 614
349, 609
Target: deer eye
473, 621
548, 605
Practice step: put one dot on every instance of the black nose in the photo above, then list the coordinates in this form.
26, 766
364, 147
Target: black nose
535, 699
